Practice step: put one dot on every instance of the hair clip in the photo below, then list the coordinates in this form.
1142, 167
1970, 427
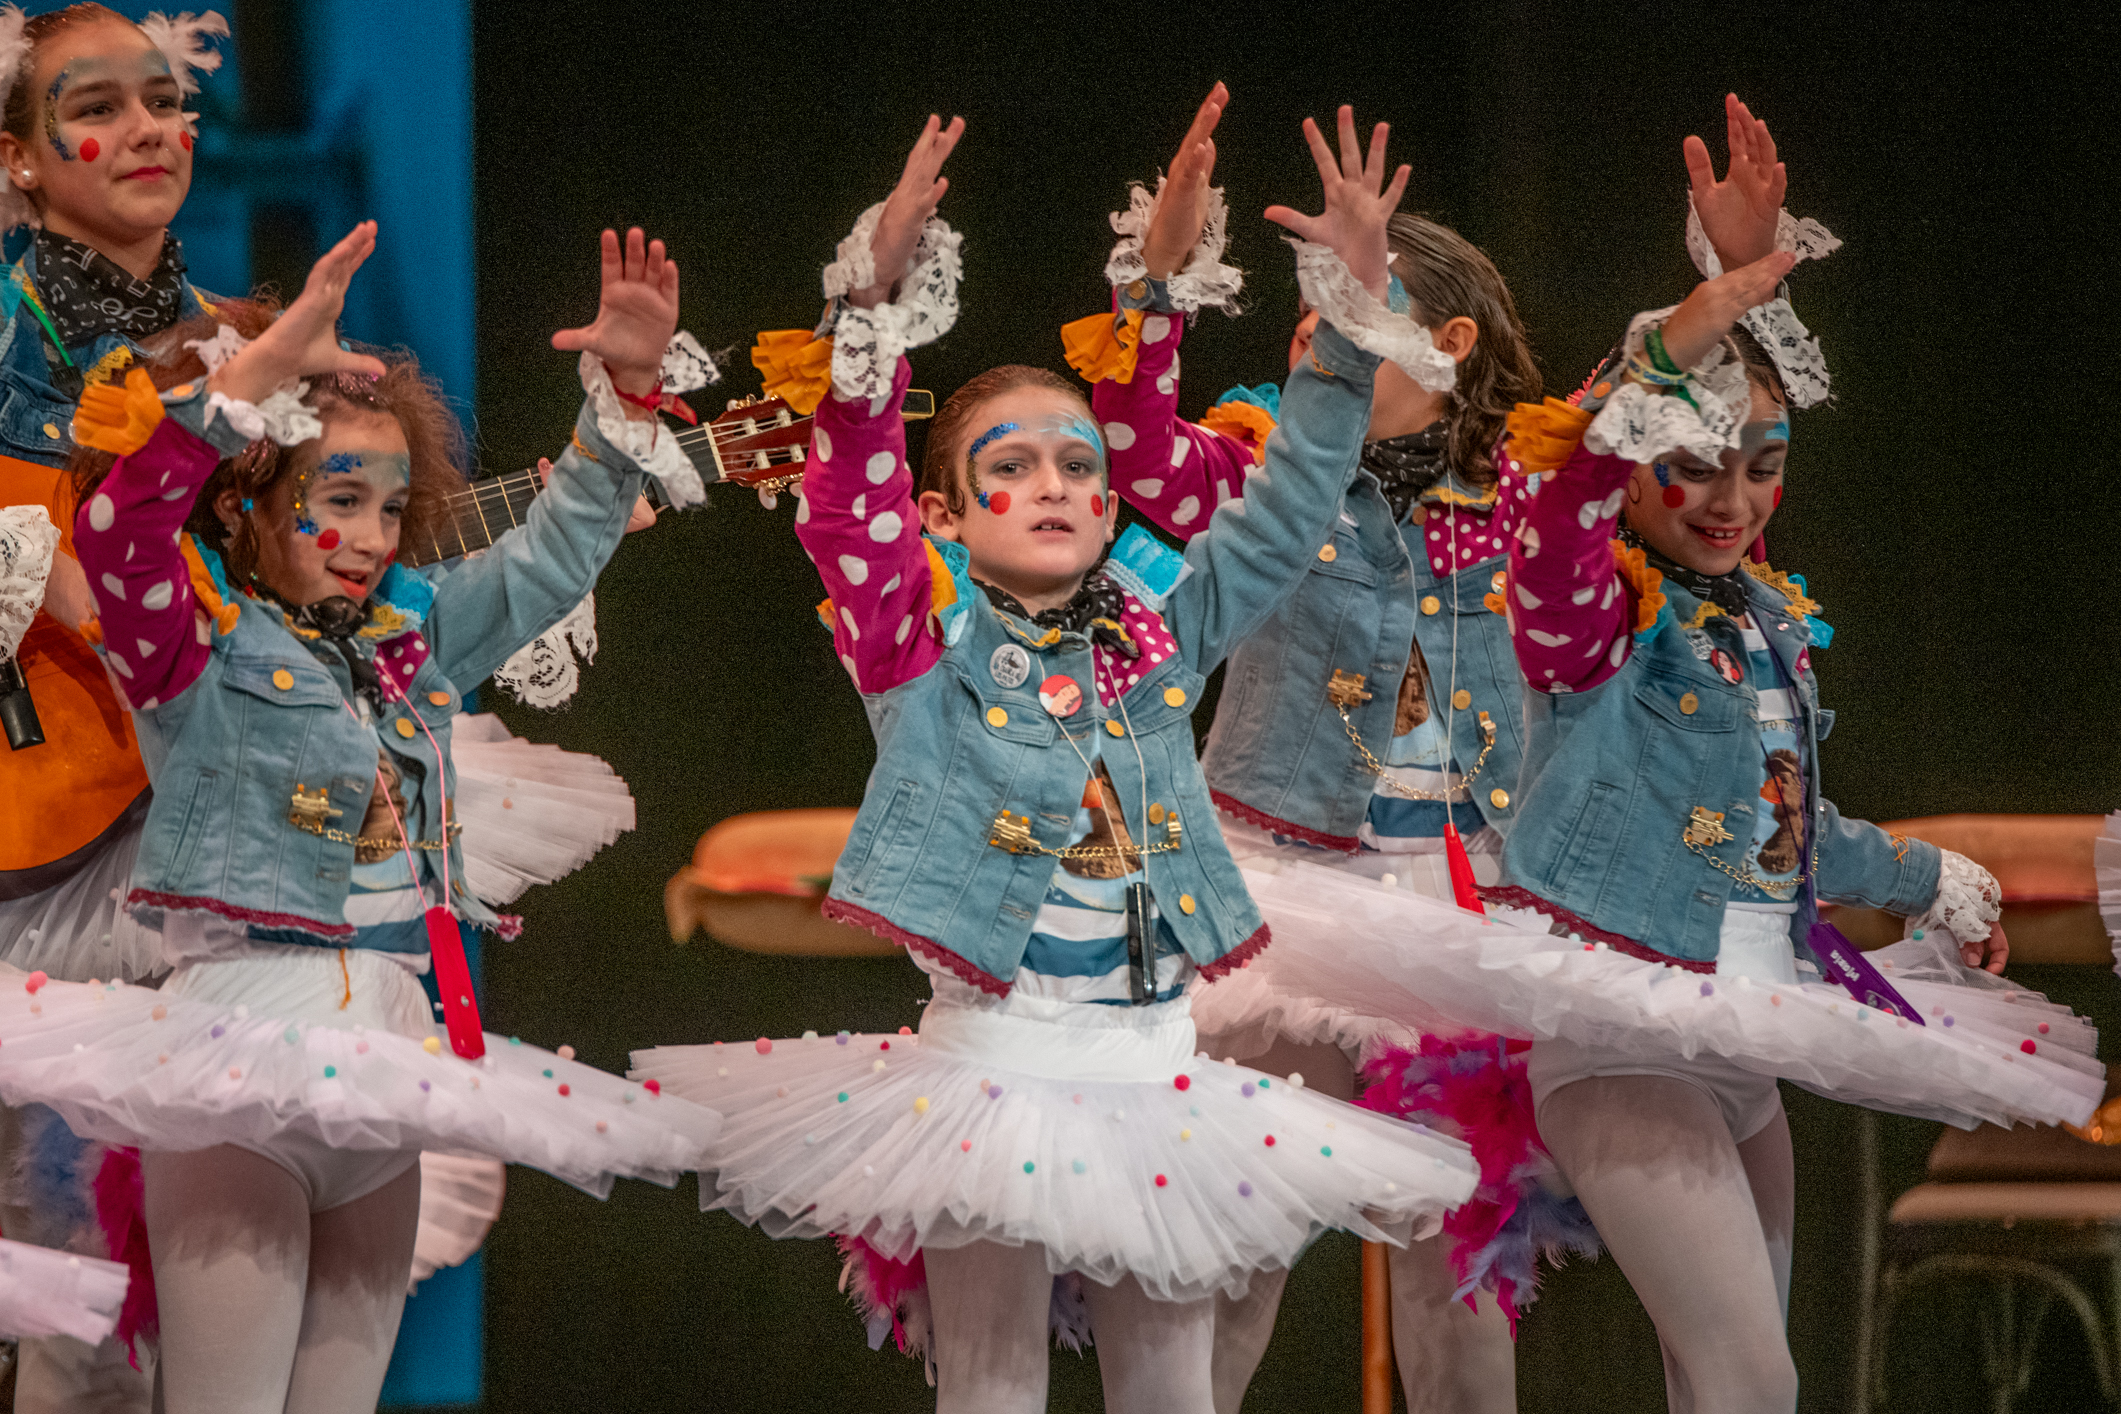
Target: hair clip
248, 505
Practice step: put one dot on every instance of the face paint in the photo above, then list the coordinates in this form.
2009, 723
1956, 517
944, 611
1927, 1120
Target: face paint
992, 434
997, 503
1755, 436
91, 150
1662, 472
329, 540
1778, 496
51, 115
185, 138
1674, 497
386, 471
1097, 505
1082, 430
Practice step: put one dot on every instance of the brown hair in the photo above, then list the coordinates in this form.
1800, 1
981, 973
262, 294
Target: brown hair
433, 436
942, 458
1446, 276
1760, 368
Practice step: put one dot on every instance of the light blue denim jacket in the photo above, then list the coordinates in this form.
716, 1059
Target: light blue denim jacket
1279, 754
268, 717
1612, 776
955, 749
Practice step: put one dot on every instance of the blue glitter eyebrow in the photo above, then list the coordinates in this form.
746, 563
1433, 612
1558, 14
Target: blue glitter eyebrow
990, 435
1780, 432
342, 464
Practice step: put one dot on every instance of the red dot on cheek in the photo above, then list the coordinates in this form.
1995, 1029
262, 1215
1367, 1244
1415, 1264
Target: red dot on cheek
91, 150
998, 502
1674, 497
185, 138
1097, 504
1778, 495
329, 540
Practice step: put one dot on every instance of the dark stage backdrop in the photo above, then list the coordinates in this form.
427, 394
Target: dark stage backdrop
1954, 510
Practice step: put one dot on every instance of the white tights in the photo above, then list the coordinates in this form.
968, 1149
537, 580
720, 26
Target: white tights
1451, 1360
992, 1306
267, 1307
1699, 1223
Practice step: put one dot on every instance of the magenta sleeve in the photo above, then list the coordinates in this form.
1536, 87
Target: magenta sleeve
1569, 609
860, 527
126, 539
1174, 472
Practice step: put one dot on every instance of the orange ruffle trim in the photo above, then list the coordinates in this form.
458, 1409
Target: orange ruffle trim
1247, 422
209, 593
1543, 436
797, 368
1643, 578
119, 417
1099, 349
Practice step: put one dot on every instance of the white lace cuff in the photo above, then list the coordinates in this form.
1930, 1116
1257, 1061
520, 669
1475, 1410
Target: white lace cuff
648, 443
1775, 324
1204, 282
1639, 425
223, 346
543, 672
27, 540
1968, 900
687, 366
866, 343
283, 417
1331, 288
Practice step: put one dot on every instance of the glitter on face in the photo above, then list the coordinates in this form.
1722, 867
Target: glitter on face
991, 435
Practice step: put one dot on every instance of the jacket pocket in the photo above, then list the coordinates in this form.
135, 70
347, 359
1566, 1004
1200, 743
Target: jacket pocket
882, 840
1690, 706
198, 812
26, 413
1591, 838
292, 681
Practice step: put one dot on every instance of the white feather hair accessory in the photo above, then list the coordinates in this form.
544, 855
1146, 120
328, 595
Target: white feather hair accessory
183, 42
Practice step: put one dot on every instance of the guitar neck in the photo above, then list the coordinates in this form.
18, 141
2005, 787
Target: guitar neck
761, 444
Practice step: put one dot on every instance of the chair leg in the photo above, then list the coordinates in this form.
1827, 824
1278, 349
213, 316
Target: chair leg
1376, 1330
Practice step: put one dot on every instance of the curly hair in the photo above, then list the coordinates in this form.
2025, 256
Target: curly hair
942, 457
433, 436
1446, 276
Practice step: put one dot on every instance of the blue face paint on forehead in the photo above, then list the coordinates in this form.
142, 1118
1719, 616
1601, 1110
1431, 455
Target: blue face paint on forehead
387, 470
1082, 429
991, 435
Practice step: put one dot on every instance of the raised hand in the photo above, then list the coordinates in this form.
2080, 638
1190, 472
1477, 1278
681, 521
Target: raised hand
1353, 223
1182, 209
637, 312
1715, 305
304, 340
920, 187
1738, 213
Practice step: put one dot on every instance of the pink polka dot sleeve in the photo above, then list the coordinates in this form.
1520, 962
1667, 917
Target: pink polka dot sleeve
126, 540
858, 523
1172, 471
1568, 609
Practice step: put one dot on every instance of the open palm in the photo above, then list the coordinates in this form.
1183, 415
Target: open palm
906, 211
304, 341
1182, 206
1738, 214
637, 312
1358, 203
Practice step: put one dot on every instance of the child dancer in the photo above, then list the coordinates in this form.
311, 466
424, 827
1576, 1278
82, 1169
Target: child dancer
1388, 644
300, 854
1672, 825
1038, 835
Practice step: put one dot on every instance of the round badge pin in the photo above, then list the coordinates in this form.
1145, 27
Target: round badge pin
1009, 666
1060, 695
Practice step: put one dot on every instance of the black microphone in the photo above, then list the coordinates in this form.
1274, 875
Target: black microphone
18, 713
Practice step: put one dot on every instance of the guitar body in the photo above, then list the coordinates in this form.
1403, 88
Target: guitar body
63, 794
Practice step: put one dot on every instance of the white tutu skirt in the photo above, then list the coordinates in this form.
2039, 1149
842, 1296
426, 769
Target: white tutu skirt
75, 930
249, 1049
1093, 1131
460, 1198
532, 814
45, 1292
1351, 947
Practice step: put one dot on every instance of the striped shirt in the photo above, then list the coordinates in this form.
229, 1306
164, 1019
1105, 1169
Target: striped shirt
1419, 759
1778, 827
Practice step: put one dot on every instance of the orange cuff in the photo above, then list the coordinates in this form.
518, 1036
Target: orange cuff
1099, 350
1543, 436
1645, 579
797, 368
119, 417
1246, 422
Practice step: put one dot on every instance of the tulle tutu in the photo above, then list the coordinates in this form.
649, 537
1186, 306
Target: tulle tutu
75, 930
45, 1292
1094, 1131
460, 1197
240, 1052
532, 814
1990, 1051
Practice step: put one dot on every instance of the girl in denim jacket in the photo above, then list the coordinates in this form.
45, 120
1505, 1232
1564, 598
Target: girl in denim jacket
1675, 843
300, 857
1037, 834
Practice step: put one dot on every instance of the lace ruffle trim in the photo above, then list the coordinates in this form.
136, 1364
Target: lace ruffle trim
1775, 324
27, 540
282, 417
1204, 282
543, 672
1340, 299
652, 447
1640, 426
867, 343
1968, 901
